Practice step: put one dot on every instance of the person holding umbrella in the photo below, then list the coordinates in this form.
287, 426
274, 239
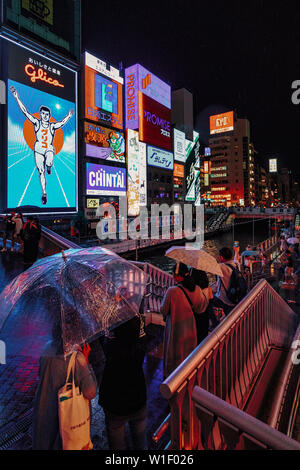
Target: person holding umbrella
202, 320
124, 355
52, 377
62, 301
179, 307
199, 260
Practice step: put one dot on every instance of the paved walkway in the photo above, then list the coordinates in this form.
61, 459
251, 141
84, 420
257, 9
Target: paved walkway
19, 378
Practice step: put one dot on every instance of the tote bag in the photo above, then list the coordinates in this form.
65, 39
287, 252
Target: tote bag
74, 414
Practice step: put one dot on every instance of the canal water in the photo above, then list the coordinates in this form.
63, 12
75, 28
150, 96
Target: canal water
243, 233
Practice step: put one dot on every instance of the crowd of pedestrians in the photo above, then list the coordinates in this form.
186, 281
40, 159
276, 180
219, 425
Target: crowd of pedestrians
190, 309
288, 269
26, 234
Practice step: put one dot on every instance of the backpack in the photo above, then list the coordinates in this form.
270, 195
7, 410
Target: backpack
237, 288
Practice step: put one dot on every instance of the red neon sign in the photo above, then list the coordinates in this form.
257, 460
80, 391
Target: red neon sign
40, 74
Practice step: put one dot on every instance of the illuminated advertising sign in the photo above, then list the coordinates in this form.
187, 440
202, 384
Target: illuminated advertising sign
43, 10
133, 178
102, 67
178, 170
207, 151
104, 143
192, 170
137, 78
197, 189
273, 165
160, 158
103, 180
132, 97
42, 133
154, 88
179, 146
222, 123
103, 93
143, 173
178, 182
154, 122
92, 203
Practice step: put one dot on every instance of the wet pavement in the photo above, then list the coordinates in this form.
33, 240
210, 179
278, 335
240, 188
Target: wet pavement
11, 265
18, 382
19, 379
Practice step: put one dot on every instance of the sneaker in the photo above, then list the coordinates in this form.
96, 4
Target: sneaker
48, 170
44, 199
3, 250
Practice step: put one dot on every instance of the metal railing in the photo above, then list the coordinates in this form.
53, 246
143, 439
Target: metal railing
228, 361
271, 211
158, 283
51, 243
257, 271
227, 427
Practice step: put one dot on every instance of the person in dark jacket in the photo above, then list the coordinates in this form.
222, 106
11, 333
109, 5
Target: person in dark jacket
122, 392
10, 226
202, 319
31, 234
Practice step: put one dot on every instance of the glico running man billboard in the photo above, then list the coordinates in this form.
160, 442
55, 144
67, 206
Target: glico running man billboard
42, 128
103, 92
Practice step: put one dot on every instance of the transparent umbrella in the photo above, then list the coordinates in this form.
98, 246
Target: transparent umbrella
87, 291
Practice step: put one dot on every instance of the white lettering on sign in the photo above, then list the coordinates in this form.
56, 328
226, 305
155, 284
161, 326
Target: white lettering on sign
2, 353
2, 92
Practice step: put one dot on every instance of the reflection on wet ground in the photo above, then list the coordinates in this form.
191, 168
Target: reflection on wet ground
242, 233
18, 378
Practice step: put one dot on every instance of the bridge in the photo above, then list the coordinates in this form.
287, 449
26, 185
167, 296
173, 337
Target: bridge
284, 213
238, 390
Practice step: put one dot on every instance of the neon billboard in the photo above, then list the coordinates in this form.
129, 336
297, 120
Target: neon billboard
178, 170
154, 123
103, 180
41, 133
160, 158
273, 165
143, 173
104, 143
220, 123
179, 146
138, 79
103, 93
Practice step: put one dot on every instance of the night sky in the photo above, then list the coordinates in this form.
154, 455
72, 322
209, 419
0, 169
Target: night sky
229, 54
